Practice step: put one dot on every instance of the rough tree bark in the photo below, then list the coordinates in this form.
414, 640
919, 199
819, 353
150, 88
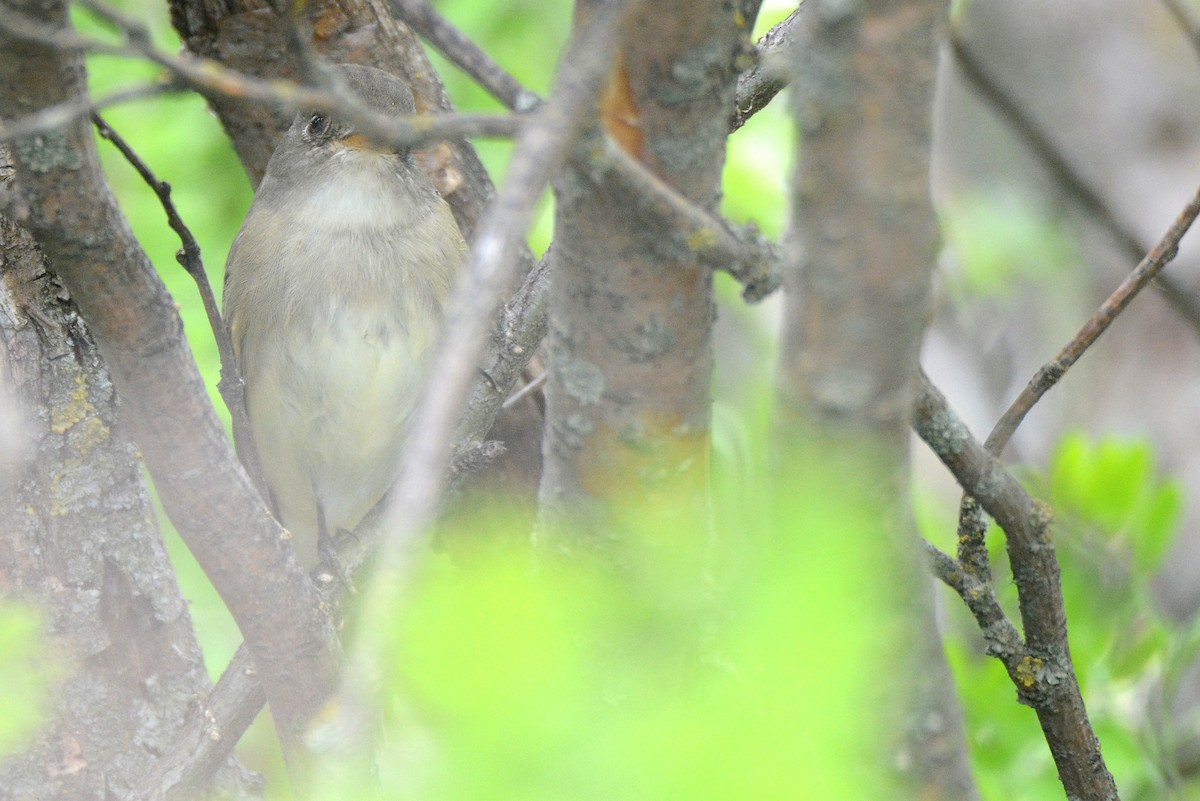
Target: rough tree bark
75, 220
80, 541
630, 315
858, 303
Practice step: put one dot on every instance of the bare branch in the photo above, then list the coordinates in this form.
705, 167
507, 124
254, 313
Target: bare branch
771, 72
1097, 324
231, 387
1044, 675
529, 387
1002, 638
203, 744
204, 490
209, 77
456, 46
743, 253
60, 114
219, 722
1065, 175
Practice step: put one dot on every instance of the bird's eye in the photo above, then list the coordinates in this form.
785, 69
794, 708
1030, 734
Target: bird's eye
317, 125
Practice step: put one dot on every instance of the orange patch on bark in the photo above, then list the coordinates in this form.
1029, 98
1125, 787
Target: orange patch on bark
619, 112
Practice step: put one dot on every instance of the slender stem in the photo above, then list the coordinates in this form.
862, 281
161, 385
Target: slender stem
1066, 177
468, 56
1050, 373
231, 387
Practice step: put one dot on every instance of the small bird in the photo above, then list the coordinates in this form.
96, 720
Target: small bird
333, 296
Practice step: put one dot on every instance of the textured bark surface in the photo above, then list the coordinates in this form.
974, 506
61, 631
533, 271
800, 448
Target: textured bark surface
630, 317
75, 220
857, 307
80, 541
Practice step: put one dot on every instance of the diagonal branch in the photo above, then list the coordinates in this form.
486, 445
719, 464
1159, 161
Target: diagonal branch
744, 254
204, 490
68, 111
231, 386
211, 78
757, 86
1050, 373
1065, 174
468, 56
218, 722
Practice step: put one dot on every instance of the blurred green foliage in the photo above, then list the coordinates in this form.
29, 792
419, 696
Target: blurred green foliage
749, 665
28, 673
1004, 240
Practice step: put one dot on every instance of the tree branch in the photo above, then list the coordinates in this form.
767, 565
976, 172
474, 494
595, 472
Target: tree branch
231, 386
204, 490
461, 51
771, 73
1043, 675
744, 254
209, 77
219, 722
1002, 638
68, 111
1045, 378
1065, 175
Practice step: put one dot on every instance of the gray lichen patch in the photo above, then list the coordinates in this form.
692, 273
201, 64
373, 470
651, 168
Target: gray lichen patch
48, 152
582, 381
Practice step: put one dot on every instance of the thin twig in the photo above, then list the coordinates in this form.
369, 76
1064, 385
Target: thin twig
231, 385
1065, 175
464, 53
210, 77
1045, 378
771, 72
1002, 638
62, 113
530, 386
188, 254
972, 525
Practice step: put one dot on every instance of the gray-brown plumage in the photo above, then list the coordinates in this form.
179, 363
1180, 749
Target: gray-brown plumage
333, 294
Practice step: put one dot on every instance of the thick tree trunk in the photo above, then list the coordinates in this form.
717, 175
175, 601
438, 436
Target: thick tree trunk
630, 317
75, 220
79, 540
857, 308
